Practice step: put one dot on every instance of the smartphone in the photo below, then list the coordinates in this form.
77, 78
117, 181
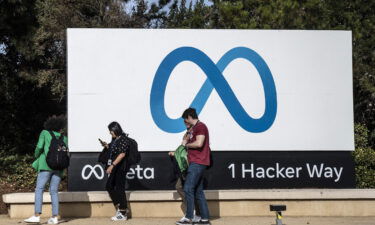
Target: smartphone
101, 142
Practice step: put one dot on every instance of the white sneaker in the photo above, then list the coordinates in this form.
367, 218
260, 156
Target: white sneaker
119, 216
33, 219
196, 219
117, 213
53, 220
184, 220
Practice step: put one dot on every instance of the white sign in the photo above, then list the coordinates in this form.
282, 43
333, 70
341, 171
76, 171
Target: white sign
255, 90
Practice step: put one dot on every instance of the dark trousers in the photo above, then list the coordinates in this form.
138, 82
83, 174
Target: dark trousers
116, 187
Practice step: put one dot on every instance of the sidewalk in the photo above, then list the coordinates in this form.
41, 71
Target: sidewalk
219, 221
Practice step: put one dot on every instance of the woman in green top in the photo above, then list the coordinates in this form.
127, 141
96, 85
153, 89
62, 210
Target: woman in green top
56, 124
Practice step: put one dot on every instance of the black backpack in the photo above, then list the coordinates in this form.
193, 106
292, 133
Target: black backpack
134, 156
58, 154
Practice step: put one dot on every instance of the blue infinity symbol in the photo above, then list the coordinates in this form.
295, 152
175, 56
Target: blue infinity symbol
216, 80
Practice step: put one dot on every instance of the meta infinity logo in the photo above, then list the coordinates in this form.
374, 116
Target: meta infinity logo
215, 79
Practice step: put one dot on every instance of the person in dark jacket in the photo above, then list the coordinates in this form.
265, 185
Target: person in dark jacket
116, 169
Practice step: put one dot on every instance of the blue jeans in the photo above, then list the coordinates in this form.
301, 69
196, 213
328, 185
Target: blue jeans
54, 179
193, 189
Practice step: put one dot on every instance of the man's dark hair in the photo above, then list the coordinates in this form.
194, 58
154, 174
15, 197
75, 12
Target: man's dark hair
55, 123
116, 128
190, 112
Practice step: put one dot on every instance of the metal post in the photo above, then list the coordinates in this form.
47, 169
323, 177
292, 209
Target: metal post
278, 218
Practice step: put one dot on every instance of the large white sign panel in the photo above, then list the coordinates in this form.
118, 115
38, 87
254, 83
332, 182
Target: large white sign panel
254, 89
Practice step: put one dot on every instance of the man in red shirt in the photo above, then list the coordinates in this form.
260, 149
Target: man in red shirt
198, 145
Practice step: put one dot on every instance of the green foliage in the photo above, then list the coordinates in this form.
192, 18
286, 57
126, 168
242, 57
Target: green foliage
33, 61
49, 39
181, 16
364, 158
357, 16
17, 170
33, 52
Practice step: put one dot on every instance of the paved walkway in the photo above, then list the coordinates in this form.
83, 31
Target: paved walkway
220, 221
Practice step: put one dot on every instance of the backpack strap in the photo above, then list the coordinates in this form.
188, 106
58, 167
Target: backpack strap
52, 134
61, 138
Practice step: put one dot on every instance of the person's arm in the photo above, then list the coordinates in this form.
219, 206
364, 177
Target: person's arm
40, 145
117, 161
123, 146
198, 143
200, 137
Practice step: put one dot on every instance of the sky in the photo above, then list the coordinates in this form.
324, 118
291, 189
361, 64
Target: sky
132, 3
2, 48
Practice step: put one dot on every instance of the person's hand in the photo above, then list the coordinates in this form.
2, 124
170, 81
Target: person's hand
171, 153
105, 145
184, 142
186, 136
109, 169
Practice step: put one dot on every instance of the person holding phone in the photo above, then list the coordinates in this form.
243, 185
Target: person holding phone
116, 169
103, 143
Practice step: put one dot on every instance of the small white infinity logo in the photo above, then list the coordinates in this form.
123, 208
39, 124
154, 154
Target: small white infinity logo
92, 171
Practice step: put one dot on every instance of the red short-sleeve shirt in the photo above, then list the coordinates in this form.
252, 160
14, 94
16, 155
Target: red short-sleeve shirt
200, 155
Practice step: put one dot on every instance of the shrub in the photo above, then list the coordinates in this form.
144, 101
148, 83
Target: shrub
17, 170
364, 158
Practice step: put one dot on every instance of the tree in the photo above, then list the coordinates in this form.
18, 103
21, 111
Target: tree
33, 61
357, 16
33, 46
